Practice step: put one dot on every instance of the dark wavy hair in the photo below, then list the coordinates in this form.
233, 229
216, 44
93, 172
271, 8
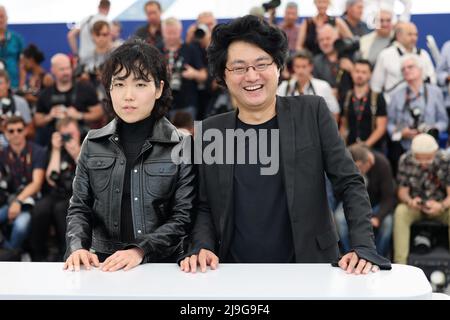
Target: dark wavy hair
33, 52
144, 61
249, 29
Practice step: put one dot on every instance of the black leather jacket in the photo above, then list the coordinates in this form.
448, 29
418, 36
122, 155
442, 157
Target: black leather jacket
162, 195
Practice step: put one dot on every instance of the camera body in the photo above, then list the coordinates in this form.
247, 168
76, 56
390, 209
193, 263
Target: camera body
64, 178
346, 47
200, 32
66, 137
416, 113
271, 5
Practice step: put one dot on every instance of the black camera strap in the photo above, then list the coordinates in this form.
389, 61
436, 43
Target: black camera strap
290, 90
21, 169
350, 97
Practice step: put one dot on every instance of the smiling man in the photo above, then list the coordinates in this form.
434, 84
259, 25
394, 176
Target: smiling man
245, 216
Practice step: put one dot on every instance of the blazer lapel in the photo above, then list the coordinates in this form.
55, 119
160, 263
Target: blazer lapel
287, 148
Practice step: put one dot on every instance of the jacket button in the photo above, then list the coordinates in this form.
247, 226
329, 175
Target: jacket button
135, 170
115, 224
139, 231
117, 190
122, 162
135, 199
116, 138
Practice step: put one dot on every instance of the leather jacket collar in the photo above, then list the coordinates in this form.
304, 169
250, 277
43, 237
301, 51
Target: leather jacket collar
163, 131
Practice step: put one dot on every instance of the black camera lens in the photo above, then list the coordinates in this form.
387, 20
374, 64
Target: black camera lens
54, 176
66, 137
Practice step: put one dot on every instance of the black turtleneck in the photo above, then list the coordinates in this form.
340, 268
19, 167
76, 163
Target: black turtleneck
132, 137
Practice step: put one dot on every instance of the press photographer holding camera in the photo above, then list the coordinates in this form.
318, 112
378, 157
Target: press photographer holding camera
424, 190
63, 155
25, 161
186, 68
415, 108
66, 98
334, 64
11, 105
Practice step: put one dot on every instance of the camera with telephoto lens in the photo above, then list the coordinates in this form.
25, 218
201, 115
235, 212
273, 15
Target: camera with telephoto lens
271, 4
200, 32
346, 47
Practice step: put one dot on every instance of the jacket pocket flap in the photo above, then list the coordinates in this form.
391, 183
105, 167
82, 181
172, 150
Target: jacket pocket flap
160, 169
327, 239
100, 162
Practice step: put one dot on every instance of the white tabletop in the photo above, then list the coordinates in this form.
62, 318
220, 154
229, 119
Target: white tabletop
32, 280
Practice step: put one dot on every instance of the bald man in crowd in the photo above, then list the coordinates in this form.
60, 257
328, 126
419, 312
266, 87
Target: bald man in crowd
66, 98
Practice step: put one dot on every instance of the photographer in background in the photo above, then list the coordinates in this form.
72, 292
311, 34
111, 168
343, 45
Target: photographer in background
416, 108
186, 68
387, 76
66, 98
334, 64
205, 18
302, 82
12, 105
353, 17
364, 117
88, 69
37, 78
26, 162
52, 208
424, 190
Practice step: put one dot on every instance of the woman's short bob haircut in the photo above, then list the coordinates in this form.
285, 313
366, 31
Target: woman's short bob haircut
145, 62
249, 29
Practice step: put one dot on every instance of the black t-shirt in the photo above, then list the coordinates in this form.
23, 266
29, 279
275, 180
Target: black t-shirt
21, 166
360, 117
187, 94
262, 228
81, 96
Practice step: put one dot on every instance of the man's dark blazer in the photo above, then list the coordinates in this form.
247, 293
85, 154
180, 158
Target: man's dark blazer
309, 146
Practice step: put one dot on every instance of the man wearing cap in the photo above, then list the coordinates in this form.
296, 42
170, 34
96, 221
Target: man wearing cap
424, 190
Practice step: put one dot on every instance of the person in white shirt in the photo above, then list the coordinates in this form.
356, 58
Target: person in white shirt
302, 82
387, 75
370, 45
373, 7
84, 31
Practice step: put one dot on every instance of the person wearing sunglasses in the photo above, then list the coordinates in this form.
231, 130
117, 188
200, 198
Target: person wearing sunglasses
26, 162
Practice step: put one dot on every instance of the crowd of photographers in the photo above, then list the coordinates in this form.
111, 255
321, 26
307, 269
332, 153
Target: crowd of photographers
390, 103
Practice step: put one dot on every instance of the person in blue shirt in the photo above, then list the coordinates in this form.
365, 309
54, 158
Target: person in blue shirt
11, 46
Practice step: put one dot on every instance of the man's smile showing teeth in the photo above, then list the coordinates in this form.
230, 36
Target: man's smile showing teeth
253, 88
